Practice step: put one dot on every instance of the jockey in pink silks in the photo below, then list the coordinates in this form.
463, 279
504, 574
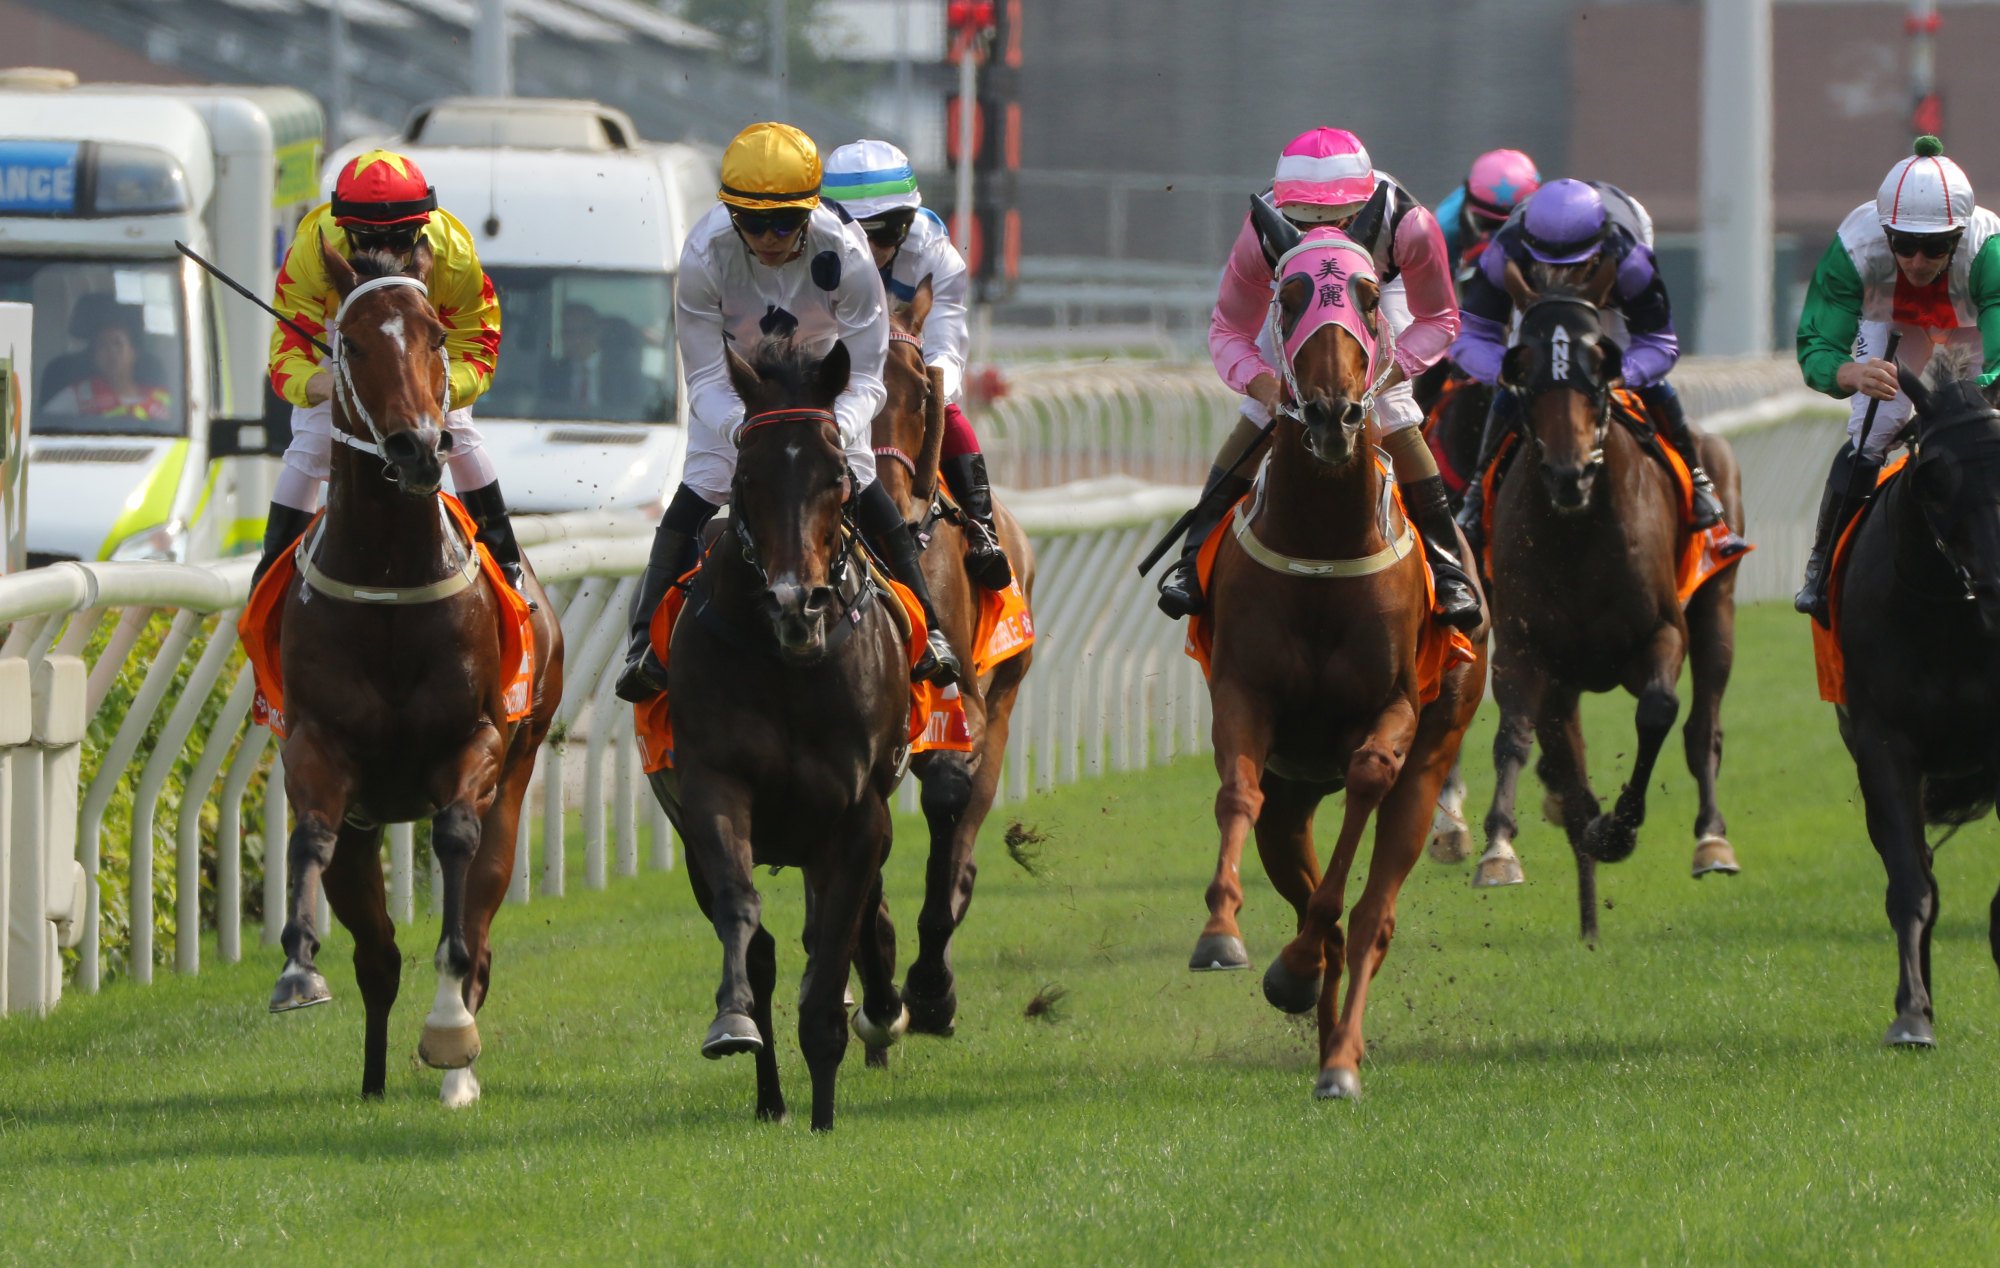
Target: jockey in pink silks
1326, 178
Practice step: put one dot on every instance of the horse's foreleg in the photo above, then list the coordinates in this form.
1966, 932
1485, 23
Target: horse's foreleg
1285, 843
1891, 783
949, 793
466, 792
1517, 688
318, 791
761, 962
1712, 651
717, 841
1242, 737
1563, 774
845, 878
1371, 773
1450, 839
1612, 837
875, 964
354, 890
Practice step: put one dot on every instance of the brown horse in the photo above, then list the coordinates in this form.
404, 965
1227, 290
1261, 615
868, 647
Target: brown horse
1586, 537
791, 697
394, 686
1314, 680
957, 787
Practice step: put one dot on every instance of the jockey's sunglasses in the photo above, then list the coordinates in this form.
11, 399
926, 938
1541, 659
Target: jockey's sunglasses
1932, 246
784, 221
886, 233
397, 238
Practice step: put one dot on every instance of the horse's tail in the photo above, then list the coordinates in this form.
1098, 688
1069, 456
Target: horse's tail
923, 484
1958, 799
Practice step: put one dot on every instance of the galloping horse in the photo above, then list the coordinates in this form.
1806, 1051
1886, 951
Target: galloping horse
1918, 623
957, 787
394, 687
1319, 602
1586, 539
790, 686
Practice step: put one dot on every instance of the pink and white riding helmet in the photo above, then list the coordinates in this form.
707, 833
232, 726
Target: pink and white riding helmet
1500, 180
1321, 172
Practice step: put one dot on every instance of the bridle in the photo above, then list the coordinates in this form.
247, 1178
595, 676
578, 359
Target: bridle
343, 376
1558, 374
891, 451
837, 566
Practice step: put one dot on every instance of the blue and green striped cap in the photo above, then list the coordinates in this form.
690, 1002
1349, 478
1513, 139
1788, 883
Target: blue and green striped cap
870, 178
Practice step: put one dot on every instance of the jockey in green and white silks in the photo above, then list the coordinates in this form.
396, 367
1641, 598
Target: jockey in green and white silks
1922, 259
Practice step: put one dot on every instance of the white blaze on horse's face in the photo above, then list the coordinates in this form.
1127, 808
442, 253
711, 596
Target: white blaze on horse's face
1559, 355
392, 330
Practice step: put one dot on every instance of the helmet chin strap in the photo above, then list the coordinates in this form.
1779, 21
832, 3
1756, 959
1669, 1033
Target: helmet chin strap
343, 377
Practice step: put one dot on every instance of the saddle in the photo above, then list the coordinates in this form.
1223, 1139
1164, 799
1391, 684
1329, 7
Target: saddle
1828, 661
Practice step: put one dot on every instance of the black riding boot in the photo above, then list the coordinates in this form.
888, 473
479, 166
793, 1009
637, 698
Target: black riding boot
496, 529
1472, 511
1665, 405
1836, 512
673, 553
1180, 589
282, 526
1457, 598
985, 560
893, 542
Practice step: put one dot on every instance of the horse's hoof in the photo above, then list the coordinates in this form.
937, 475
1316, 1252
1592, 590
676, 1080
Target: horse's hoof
1910, 1032
299, 988
875, 1035
933, 1016
1609, 841
1496, 870
1288, 992
1450, 840
461, 1088
449, 1047
1338, 1084
729, 1034
1712, 854
1217, 952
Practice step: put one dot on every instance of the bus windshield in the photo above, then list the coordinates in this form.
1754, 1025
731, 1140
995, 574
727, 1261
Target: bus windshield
583, 344
110, 350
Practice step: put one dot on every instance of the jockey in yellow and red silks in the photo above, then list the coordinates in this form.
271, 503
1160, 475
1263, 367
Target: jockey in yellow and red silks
382, 207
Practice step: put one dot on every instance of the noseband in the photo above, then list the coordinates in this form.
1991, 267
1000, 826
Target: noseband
1559, 375
343, 375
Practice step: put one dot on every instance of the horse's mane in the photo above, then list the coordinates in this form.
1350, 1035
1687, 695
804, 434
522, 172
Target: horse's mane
369, 265
789, 369
1953, 363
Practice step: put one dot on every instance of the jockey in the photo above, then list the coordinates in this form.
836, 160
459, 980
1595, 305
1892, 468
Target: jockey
874, 181
1923, 259
773, 259
1499, 181
1573, 225
1325, 177
382, 205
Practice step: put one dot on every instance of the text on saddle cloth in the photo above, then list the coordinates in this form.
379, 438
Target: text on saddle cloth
260, 626
1828, 660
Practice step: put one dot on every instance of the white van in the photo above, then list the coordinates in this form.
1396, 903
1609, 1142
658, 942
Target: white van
580, 224
149, 385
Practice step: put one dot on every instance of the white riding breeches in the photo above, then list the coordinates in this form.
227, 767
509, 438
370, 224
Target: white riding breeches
711, 459
309, 457
1396, 408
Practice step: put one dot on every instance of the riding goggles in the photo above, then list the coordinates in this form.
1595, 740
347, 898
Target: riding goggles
397, 238
782, 221
889, 230
1931, 246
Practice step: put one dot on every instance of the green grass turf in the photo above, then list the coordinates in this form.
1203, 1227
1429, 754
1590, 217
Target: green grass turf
1706, 1085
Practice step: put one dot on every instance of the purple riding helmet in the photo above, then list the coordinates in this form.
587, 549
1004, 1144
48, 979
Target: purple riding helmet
1565, 222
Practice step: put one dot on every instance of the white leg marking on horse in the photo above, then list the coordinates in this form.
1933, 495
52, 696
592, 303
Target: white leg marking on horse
461, 1088
448, 1010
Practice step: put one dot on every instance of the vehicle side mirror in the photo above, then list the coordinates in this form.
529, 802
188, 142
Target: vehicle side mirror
238, 437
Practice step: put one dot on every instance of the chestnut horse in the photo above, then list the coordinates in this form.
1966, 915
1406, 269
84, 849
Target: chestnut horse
957, 787
394, 684
1919, 631
790, 685
1313, 671
1586, 538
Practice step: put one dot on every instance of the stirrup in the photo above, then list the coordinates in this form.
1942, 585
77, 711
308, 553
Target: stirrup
1180, 591
939, 664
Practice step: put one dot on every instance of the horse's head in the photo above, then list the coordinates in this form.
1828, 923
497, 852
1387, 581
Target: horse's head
1326, 319
791, 481
390, 371
1955, 472
1563, 368
901, 427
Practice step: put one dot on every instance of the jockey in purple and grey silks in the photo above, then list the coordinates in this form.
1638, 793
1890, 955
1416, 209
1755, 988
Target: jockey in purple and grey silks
1565, 224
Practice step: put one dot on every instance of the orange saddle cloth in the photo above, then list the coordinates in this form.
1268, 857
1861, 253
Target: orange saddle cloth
1439, 646
1005, 628
1827, 657
259, 627
1703, 554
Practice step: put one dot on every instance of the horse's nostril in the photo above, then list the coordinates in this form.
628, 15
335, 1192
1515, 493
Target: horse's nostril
819, 600
1354, 415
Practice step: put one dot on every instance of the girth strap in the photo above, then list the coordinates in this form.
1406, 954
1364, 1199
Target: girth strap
444, 588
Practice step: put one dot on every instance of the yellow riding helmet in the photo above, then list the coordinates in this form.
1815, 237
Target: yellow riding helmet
770, 165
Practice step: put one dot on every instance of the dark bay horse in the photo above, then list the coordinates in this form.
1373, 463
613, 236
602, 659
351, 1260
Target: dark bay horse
790, 685
394, 690
957, 787
1313, 672
1585, 542
1919, 631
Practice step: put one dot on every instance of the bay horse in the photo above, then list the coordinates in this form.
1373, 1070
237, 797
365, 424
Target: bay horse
1586, 539
790, 684
1313, 669
1919, 632
394, 685
958, 788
